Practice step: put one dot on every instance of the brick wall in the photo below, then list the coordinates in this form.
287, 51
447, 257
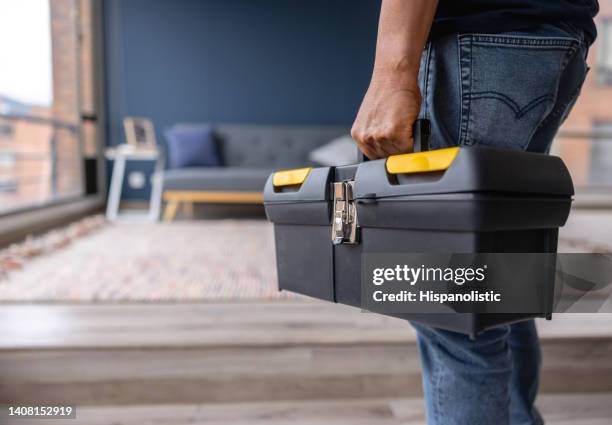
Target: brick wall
592, 106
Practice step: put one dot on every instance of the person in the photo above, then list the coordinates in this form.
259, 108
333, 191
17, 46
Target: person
484, 72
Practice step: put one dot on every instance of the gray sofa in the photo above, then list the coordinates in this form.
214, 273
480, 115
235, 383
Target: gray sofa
249, 154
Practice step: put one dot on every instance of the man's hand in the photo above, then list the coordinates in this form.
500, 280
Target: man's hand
383, 125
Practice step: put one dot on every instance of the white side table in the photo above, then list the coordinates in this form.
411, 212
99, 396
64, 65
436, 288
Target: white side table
121, 155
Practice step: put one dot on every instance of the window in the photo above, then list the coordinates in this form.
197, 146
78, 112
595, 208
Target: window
601, 155
6, 131
7, 160
8, 185
89, 129
604, 56
46, 87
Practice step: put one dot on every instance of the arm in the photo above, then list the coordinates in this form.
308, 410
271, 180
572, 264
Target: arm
383, 125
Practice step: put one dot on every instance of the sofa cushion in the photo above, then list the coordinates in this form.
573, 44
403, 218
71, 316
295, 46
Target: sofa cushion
217, 179
191, 147
272, 146
340, 151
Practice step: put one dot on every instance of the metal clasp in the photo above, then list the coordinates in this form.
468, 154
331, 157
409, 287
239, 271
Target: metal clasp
344, 220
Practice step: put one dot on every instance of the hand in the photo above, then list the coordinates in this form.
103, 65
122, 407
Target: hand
383, 125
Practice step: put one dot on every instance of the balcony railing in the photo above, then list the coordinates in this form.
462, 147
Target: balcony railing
588, 156
40, 162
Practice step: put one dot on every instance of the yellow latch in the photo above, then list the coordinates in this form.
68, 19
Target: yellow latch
421, 162
290, 177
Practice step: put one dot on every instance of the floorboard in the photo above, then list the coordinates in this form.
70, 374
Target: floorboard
266, 324
591, 409
248, 352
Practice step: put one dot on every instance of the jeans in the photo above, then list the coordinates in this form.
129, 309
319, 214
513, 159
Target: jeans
512, 91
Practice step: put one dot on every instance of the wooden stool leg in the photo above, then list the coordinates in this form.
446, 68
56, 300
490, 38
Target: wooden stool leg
170, 211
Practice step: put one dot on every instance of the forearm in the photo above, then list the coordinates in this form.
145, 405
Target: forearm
402, 33
392, 103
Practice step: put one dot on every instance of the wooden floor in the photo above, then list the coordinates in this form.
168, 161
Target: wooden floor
229, 324
237, 363
559, 409
263, 324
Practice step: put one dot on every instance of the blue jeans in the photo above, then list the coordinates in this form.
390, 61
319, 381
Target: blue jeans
512, 91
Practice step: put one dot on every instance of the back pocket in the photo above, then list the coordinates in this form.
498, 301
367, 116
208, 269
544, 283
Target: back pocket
508, 86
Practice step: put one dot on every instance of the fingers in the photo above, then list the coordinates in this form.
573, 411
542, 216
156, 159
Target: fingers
382, 144
393, 147
367, 151
383, 125
378, 147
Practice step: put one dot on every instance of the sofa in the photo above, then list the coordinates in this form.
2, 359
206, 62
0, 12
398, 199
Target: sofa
249, 153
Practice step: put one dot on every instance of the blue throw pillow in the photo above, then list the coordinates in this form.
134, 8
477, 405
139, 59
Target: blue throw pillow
191, 146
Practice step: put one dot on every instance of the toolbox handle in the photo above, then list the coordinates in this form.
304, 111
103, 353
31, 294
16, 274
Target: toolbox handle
295, 177
421, 130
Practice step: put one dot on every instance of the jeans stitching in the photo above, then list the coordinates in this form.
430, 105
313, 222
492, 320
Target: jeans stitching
438, 395
437, 390
525, 41
465, 49
521, 46
460, 91
466, 42
570, 53
560, 108
518, 111
469, 116
460, 51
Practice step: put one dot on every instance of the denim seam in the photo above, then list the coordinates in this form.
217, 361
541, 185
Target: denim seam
570, 53
526, 41
460, 85
469, 116
438, 385
560, 108
518, 111
438, 414
466, 43
519, 46
465, 49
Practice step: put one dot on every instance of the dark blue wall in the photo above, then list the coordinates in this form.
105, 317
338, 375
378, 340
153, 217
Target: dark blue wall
241, 61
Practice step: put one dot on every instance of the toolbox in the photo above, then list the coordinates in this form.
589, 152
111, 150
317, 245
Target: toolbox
468, 199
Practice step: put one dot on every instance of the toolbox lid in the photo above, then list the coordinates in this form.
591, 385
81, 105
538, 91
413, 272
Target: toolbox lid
473, 169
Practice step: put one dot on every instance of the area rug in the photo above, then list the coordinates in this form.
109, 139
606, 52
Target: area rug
140, 261
96, 261
17, 255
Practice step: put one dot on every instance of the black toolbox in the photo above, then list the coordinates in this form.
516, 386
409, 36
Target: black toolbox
453, 200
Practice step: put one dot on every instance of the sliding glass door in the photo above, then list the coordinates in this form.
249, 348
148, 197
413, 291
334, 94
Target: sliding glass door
47, 101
